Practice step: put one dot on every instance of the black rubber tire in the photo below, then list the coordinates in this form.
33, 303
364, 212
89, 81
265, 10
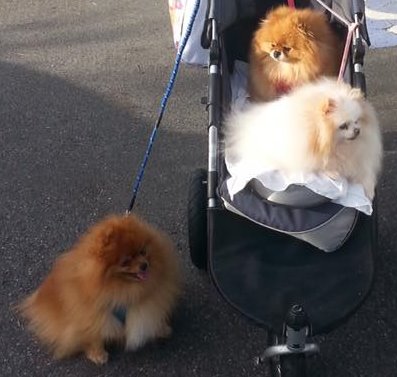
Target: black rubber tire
293, 365
197, 218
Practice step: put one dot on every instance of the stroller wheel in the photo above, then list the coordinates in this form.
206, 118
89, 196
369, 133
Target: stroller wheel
290, 365
293, 365
197, 218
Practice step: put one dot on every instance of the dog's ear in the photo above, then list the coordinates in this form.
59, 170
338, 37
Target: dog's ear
108, 235
259, 44
305, 30
328, 106
321, 143
256, 46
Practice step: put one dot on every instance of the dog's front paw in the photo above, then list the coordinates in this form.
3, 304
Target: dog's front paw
97, 355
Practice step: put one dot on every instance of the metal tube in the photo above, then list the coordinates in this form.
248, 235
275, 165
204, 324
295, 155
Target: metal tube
214, 112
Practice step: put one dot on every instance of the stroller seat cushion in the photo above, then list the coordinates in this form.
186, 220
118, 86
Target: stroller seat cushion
294, 195
326, 226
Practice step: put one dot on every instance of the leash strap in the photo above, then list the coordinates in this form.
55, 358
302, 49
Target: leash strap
163, 105
291, 3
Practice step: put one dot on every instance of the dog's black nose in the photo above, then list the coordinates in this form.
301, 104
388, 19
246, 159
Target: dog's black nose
276, 54
144, 266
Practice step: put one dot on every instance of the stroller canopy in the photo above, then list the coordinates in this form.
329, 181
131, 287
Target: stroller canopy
230, 12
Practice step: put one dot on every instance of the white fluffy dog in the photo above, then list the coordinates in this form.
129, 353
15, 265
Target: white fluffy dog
322, 127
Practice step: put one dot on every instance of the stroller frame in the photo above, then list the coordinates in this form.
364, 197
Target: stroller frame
287, 348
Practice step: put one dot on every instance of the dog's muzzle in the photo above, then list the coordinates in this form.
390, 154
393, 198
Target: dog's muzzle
356, 132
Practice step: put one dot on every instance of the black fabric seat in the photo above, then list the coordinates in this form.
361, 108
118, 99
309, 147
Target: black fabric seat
262, 272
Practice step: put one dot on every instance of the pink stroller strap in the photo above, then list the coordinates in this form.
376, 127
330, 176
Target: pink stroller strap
349, 38
291, 3
352, 26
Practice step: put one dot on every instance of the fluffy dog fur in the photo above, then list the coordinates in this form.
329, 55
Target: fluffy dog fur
291, 47
120, 262
323, 126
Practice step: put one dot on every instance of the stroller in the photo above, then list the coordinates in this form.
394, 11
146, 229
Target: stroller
279, 279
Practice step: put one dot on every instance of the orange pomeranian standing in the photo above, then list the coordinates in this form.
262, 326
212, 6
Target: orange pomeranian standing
120, 263
291, 47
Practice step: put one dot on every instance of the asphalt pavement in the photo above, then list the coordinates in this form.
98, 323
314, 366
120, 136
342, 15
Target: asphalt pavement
80, 86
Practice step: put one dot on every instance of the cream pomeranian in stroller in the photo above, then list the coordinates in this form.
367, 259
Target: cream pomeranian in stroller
323, 127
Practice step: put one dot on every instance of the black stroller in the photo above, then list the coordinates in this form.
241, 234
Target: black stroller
283, 283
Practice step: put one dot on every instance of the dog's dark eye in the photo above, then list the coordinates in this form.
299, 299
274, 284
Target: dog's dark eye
273, 45
343, 126
287, 49
143, 252
125, 261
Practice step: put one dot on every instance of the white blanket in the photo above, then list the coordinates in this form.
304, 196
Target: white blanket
339, 191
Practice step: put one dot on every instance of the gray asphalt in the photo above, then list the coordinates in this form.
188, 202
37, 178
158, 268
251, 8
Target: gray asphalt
81, 82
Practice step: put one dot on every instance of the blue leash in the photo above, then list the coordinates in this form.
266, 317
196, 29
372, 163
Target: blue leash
163, 105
